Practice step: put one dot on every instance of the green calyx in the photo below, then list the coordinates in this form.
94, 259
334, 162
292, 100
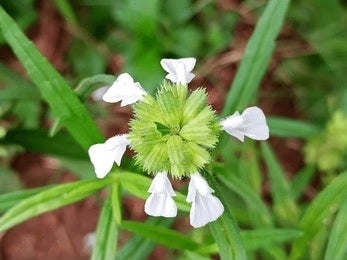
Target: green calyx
174, 131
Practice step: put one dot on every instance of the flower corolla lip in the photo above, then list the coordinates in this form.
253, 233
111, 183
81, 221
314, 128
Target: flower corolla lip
160, 202
124, 89
251, 123
205, 206
179, 69
104, 155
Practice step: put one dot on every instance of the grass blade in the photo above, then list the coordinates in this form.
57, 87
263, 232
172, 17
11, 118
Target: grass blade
50, 199
106, 234
8, 200
284, 205
225, 230
256, 57
315, 214
265, 238
138, 248
53, 88
301, 181
161, 235
285, 127
38, 140
337, 245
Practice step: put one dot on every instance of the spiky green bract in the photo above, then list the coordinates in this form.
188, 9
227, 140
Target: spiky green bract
174, 131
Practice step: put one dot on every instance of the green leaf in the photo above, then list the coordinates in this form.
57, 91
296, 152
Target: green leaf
138, 248
225, 230
116, 199
284, 205
337, 245
54, 89
319, 210
285, 127
8, 200
38, 140
301, 180
163, 129
265, 238
256, 57
106, 234
254, 202
161, 235
260, 239
138, 185
50, 199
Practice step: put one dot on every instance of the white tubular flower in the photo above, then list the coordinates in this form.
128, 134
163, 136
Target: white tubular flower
104, 155
205, 206
160, 202
124, 89
179, 69
250, 123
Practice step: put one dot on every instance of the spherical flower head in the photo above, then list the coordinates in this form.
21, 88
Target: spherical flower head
175, 131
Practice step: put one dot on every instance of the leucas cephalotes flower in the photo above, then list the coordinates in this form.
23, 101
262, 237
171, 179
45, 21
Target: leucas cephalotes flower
173, 134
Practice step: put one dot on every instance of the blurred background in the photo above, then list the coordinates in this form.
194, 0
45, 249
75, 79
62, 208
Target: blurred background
306, 80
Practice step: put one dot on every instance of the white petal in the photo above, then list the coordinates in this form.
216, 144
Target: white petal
161, 184
99, 93
179, 69
205, 209
104, 155
201, 184
255, 125
124, 89
102, 159
160, 205
250, 123
118, 145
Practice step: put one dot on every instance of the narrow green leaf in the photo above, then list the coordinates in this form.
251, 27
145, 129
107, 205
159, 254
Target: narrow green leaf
50, 199
256, 57
225, 230
106, 234
301, 180
320, 209
337, 245
285, 127
265, 238
161, 235
254, 202
8, 200
284, 205
38, 140
259, 239
116, 202
138, 185
54, 89
138, 247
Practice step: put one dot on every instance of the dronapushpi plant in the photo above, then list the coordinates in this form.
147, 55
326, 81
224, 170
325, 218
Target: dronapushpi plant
173, 133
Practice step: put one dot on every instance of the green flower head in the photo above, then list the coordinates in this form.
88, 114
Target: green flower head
175, 131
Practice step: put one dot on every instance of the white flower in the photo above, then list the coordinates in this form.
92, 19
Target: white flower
205, 206
104, 155
179, 69
99, 93
124, 89
160, 203
250, 123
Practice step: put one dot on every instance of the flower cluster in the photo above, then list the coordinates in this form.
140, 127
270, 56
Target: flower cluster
173, 133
